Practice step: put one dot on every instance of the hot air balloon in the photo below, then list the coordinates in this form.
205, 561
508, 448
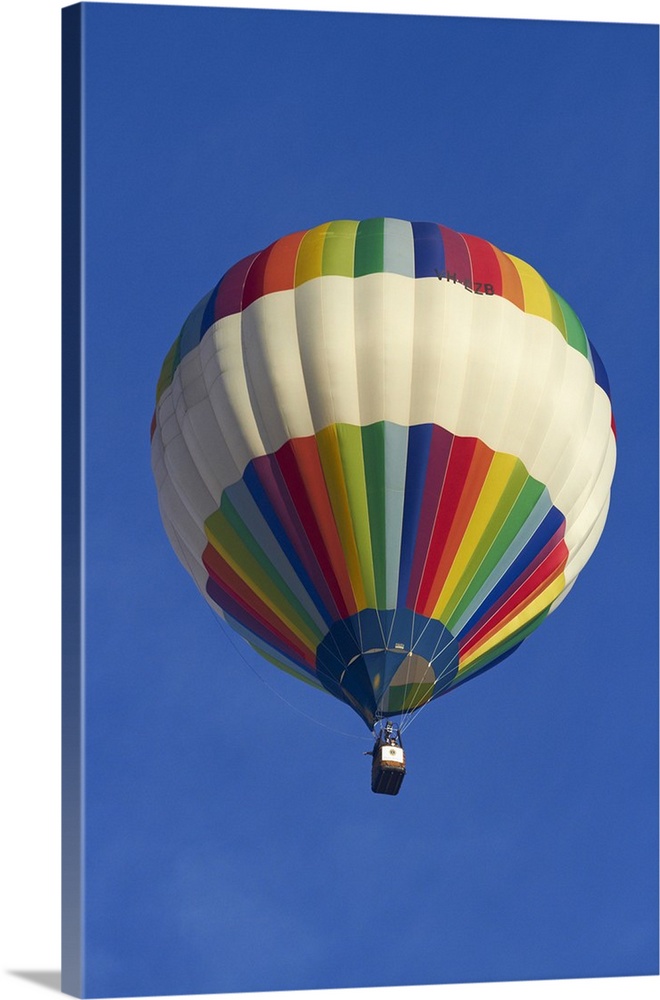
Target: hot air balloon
383, 450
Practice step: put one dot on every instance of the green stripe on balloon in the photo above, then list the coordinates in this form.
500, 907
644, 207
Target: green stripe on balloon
516, 531
369, 247
518, 501
228, 533
352, 458
373, 445
497, 651
575, 335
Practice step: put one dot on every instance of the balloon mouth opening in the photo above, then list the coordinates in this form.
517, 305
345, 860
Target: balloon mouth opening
387, 663
402, 680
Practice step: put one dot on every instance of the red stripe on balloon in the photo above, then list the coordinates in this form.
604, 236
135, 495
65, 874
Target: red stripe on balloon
299, 461
485, 265
522, 592
230, 293
279, 496
281, 266
441, 442
230, 583
458, 468
288, 461
253, 287
457, 258
311, 471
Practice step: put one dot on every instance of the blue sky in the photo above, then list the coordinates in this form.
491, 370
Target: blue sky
232, 840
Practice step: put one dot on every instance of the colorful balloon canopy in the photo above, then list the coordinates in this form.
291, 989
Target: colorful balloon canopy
384, 451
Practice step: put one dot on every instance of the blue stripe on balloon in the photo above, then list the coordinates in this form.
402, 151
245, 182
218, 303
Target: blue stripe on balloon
429, 250
398, 248
599, 371
419, 445
208, 319
267, 648
260, 497
550, 524
396, 457
190, 335
482, 670
256, 628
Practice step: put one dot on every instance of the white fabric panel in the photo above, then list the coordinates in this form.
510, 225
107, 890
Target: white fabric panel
504, 349
588, 508
555, 604
569, 425
386, 347
428, 350
158, 459
384, 309
547, 357
274, 370
326, 337
398, 336
190, 537
199, 427
167, 426
215, 461
584, 551
178, 461
224, 373
452, 403
532, 396
187, 544
370, 347
595, 452
201, 485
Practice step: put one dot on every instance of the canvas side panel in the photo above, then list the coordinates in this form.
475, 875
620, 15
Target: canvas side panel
72, 508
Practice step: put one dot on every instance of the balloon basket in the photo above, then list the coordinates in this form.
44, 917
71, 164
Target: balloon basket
388, 766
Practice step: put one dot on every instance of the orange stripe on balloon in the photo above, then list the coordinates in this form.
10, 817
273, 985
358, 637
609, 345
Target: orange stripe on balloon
512, 288
280, 269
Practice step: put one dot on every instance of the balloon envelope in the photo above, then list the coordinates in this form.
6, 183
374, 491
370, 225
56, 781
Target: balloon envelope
383, 450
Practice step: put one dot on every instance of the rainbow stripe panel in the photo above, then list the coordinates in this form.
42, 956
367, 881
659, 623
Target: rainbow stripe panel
393, 246
384, 451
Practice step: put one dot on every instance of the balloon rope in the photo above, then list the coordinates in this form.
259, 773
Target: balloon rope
464, 590
228, 634
415, 708
485, 622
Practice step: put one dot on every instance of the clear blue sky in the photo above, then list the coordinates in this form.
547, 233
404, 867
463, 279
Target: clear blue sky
232, 842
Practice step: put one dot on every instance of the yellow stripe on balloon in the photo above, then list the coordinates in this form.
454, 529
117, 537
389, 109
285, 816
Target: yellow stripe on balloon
309, 263
538, 298
497, 479
531, 610
333, 472
227, 544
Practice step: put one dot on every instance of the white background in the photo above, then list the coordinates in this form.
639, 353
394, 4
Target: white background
30, 499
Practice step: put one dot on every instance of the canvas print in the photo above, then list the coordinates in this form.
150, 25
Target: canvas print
360, 318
